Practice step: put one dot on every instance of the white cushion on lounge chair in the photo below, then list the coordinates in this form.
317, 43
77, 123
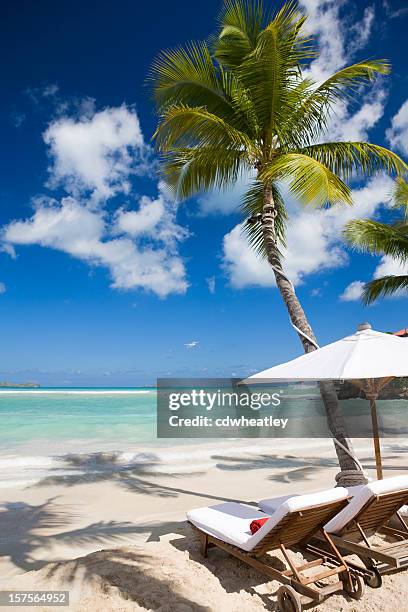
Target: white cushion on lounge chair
388, 485
230, 521
271, 504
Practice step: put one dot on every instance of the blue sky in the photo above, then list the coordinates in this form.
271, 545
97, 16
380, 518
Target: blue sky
103, 278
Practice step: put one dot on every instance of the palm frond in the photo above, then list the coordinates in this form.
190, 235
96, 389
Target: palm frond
401, 196
378, 238
308, 120
348, 158
190, 171
188, 76
349, 79
383, 287
240, 23
308, 179
270, 73
185, 126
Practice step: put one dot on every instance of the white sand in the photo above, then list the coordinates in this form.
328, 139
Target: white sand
148, 558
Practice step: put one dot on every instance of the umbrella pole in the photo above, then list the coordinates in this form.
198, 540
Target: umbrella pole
377, 448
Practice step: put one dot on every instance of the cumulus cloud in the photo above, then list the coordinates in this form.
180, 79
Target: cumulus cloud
325, 24
2, 288
154, 217
95, 157
387, 266
347, 124
397, 134
352, 292
337, 39
240, 263
73, 228
96, 153
314, 240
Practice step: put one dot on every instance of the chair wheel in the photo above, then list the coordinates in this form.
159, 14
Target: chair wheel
375, 580
289, 599
357, 590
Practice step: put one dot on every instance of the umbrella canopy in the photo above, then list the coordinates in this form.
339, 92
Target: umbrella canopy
364, 355
369, 358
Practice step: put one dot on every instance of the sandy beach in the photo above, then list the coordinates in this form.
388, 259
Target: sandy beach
118, 540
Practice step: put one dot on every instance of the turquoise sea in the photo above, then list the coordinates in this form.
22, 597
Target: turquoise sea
61, 414
49, 429
62, 431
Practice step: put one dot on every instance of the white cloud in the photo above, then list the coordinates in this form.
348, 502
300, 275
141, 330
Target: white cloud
211, 284
314, 240
154, 217
73, 228
95, 157
345, 124
360, 32
397, 134
389, 266
192, 345
95, 154
338, 40
142, 221
65, 226
241, 264
352, 292
224, 201
324, 22
2, 288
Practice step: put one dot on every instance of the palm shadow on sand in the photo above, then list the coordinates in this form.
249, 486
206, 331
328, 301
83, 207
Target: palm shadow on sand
26, 527
125, 572
140, 478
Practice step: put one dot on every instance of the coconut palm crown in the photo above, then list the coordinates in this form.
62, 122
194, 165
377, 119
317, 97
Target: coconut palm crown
384, 239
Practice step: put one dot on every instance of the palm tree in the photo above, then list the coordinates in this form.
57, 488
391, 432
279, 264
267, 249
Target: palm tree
384, 239
239, 105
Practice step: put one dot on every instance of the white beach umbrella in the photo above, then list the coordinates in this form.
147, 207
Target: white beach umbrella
369, 358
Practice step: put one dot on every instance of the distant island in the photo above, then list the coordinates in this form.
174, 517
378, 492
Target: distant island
30, 385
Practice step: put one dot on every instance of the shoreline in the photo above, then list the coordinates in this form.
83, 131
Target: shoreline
25, 464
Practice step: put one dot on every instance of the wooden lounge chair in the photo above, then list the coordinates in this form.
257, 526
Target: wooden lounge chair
369, 513
227, 526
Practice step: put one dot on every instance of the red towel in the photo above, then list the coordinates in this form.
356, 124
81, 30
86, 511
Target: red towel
255, 525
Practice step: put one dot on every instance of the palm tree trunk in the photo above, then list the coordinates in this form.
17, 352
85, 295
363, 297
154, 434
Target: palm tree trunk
349, 474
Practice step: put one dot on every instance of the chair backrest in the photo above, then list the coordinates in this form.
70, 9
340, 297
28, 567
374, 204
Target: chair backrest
298, 518
371, 507
300, 526
377, 512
